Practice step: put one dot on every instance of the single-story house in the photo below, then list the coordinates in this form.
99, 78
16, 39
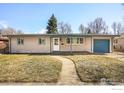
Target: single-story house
119, 43
50, 43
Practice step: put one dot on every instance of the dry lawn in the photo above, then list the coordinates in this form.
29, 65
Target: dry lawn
29, 68
93, 68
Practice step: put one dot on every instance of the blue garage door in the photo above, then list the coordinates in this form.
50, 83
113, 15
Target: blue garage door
101, 46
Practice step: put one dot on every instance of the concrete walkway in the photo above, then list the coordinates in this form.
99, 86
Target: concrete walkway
68, 75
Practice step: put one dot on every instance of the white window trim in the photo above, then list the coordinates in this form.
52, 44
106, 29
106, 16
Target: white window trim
66, 41
75, 43
20, 39
41, 39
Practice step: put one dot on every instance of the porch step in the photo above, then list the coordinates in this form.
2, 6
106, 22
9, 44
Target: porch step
60, 52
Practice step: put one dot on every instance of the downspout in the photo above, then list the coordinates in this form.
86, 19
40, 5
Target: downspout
111, 45
91, 45
60, 39
50, 44
10, 45
71, 45
84, 41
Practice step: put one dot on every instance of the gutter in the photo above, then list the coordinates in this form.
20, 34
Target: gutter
63, 35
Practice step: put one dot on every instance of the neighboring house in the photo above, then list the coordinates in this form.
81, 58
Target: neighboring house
50, 43
4, 45
119, 43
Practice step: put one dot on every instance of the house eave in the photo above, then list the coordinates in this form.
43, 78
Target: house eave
63, 35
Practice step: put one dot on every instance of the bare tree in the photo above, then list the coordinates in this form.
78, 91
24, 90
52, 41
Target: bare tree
10, 31
97, 26
68, 28
105, 30
91, 27
64, 28
114, 27
19, 32
88, 31
82, 29
117, 28
61, 27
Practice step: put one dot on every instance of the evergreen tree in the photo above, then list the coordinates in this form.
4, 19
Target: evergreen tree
52, 25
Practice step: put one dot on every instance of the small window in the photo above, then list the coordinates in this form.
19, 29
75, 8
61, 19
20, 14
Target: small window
78, 40
74, 40
20, 41
116, 41
68, 40
56, 42
42, 41
81, 40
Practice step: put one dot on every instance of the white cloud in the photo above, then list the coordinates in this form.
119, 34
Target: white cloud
42, 31
3, 24
27, 32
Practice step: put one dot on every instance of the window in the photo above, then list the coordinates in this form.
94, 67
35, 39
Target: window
68, 40
115, 41
74, 40
61, 41
79, 40
56, 42
42, 41
20, 41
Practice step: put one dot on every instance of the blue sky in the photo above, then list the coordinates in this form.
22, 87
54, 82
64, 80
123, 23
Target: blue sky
33, 18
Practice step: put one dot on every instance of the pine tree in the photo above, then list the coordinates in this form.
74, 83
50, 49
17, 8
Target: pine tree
52, 25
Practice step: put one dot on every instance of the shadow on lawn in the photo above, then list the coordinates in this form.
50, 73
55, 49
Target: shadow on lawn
62, 53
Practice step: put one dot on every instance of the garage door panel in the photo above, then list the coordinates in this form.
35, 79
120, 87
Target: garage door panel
101, 46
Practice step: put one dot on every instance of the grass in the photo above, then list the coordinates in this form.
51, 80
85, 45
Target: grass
29, 68
92, 68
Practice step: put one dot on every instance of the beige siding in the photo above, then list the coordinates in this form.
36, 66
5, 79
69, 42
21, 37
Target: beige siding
30, 45
86, 46
120, 44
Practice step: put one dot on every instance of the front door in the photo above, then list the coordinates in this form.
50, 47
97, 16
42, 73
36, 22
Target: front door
55, 44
